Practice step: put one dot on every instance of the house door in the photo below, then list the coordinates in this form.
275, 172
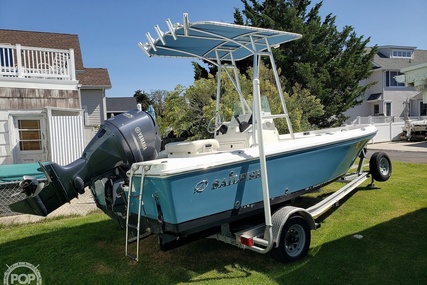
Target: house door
30, 139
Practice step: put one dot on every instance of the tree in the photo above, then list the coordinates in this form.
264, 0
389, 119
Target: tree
143, 99
199, 71
187, 111
176, 113
327, 62
302, 106
157, 99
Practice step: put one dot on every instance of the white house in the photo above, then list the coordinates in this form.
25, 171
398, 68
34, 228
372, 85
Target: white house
387, 97
47, 97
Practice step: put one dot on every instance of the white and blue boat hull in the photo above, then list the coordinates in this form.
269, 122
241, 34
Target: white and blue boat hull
189, 201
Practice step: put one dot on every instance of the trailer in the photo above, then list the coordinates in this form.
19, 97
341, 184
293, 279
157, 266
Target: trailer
289, 227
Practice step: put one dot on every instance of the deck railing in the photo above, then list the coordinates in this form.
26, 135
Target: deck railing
33, 62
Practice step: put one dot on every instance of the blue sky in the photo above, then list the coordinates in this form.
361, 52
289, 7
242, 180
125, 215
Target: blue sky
109, 30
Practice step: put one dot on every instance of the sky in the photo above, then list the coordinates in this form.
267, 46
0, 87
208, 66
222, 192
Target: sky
109, 31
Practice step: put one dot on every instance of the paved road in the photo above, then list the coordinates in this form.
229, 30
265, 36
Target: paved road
414, 152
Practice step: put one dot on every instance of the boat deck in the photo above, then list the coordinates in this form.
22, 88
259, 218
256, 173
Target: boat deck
170, 165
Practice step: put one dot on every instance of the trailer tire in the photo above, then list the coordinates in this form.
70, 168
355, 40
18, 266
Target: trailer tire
380, 166
294, 240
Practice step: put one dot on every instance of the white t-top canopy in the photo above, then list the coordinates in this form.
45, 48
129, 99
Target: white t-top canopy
213, 41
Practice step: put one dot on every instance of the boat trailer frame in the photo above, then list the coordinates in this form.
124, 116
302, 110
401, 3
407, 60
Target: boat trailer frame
253, 238
261, 238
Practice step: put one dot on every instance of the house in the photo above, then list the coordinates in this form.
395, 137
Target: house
48, 99
388, 97
118, 105
94, 82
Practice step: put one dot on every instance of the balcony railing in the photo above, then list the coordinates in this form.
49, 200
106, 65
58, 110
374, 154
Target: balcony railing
38, 63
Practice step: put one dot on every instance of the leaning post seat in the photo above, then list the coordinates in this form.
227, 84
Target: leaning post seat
181, 149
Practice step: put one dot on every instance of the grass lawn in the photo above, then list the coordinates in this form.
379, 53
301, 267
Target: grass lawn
392, 218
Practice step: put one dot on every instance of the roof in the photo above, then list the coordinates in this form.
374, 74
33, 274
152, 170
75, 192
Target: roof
207, 39
120, 104
418, 96
374, 97
94, 77
384, 62
396, 47
44, 40
422, 66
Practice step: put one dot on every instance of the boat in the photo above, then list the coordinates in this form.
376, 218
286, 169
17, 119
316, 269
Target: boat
246, 174
414, 130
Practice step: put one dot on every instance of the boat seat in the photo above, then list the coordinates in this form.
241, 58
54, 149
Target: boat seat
184, 149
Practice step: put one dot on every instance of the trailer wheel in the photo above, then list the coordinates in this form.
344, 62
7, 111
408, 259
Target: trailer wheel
294, 240
380, 166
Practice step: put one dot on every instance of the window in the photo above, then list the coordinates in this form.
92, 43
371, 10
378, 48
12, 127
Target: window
390, 81
402, 53
388, 109
423, 109
376, 110
29, 135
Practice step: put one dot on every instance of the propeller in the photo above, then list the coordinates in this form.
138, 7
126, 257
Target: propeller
30, 186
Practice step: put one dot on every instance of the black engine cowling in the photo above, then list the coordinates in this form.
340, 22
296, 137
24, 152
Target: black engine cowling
122, 140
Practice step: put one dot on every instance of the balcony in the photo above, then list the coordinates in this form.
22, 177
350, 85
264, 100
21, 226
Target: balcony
33, 67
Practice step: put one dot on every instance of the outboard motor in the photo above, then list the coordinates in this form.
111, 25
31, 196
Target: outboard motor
121, 141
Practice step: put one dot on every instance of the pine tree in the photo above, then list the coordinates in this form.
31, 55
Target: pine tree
199, 71
327, 62
143, 99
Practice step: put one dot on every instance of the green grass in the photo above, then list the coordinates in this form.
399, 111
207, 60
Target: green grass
392, 218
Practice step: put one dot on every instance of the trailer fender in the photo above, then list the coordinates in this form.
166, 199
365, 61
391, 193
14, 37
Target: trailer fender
280, 217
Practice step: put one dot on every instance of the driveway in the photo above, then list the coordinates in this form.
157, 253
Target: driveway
414, 152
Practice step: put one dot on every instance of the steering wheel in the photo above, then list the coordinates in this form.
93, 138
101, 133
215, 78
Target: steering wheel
215, 123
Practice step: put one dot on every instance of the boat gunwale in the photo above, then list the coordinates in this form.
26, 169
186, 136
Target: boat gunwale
249, 157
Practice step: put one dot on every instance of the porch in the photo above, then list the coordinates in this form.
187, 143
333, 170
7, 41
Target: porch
20, 64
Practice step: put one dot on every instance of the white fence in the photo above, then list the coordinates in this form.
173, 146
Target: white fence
389, 128
388, 132
66, 137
